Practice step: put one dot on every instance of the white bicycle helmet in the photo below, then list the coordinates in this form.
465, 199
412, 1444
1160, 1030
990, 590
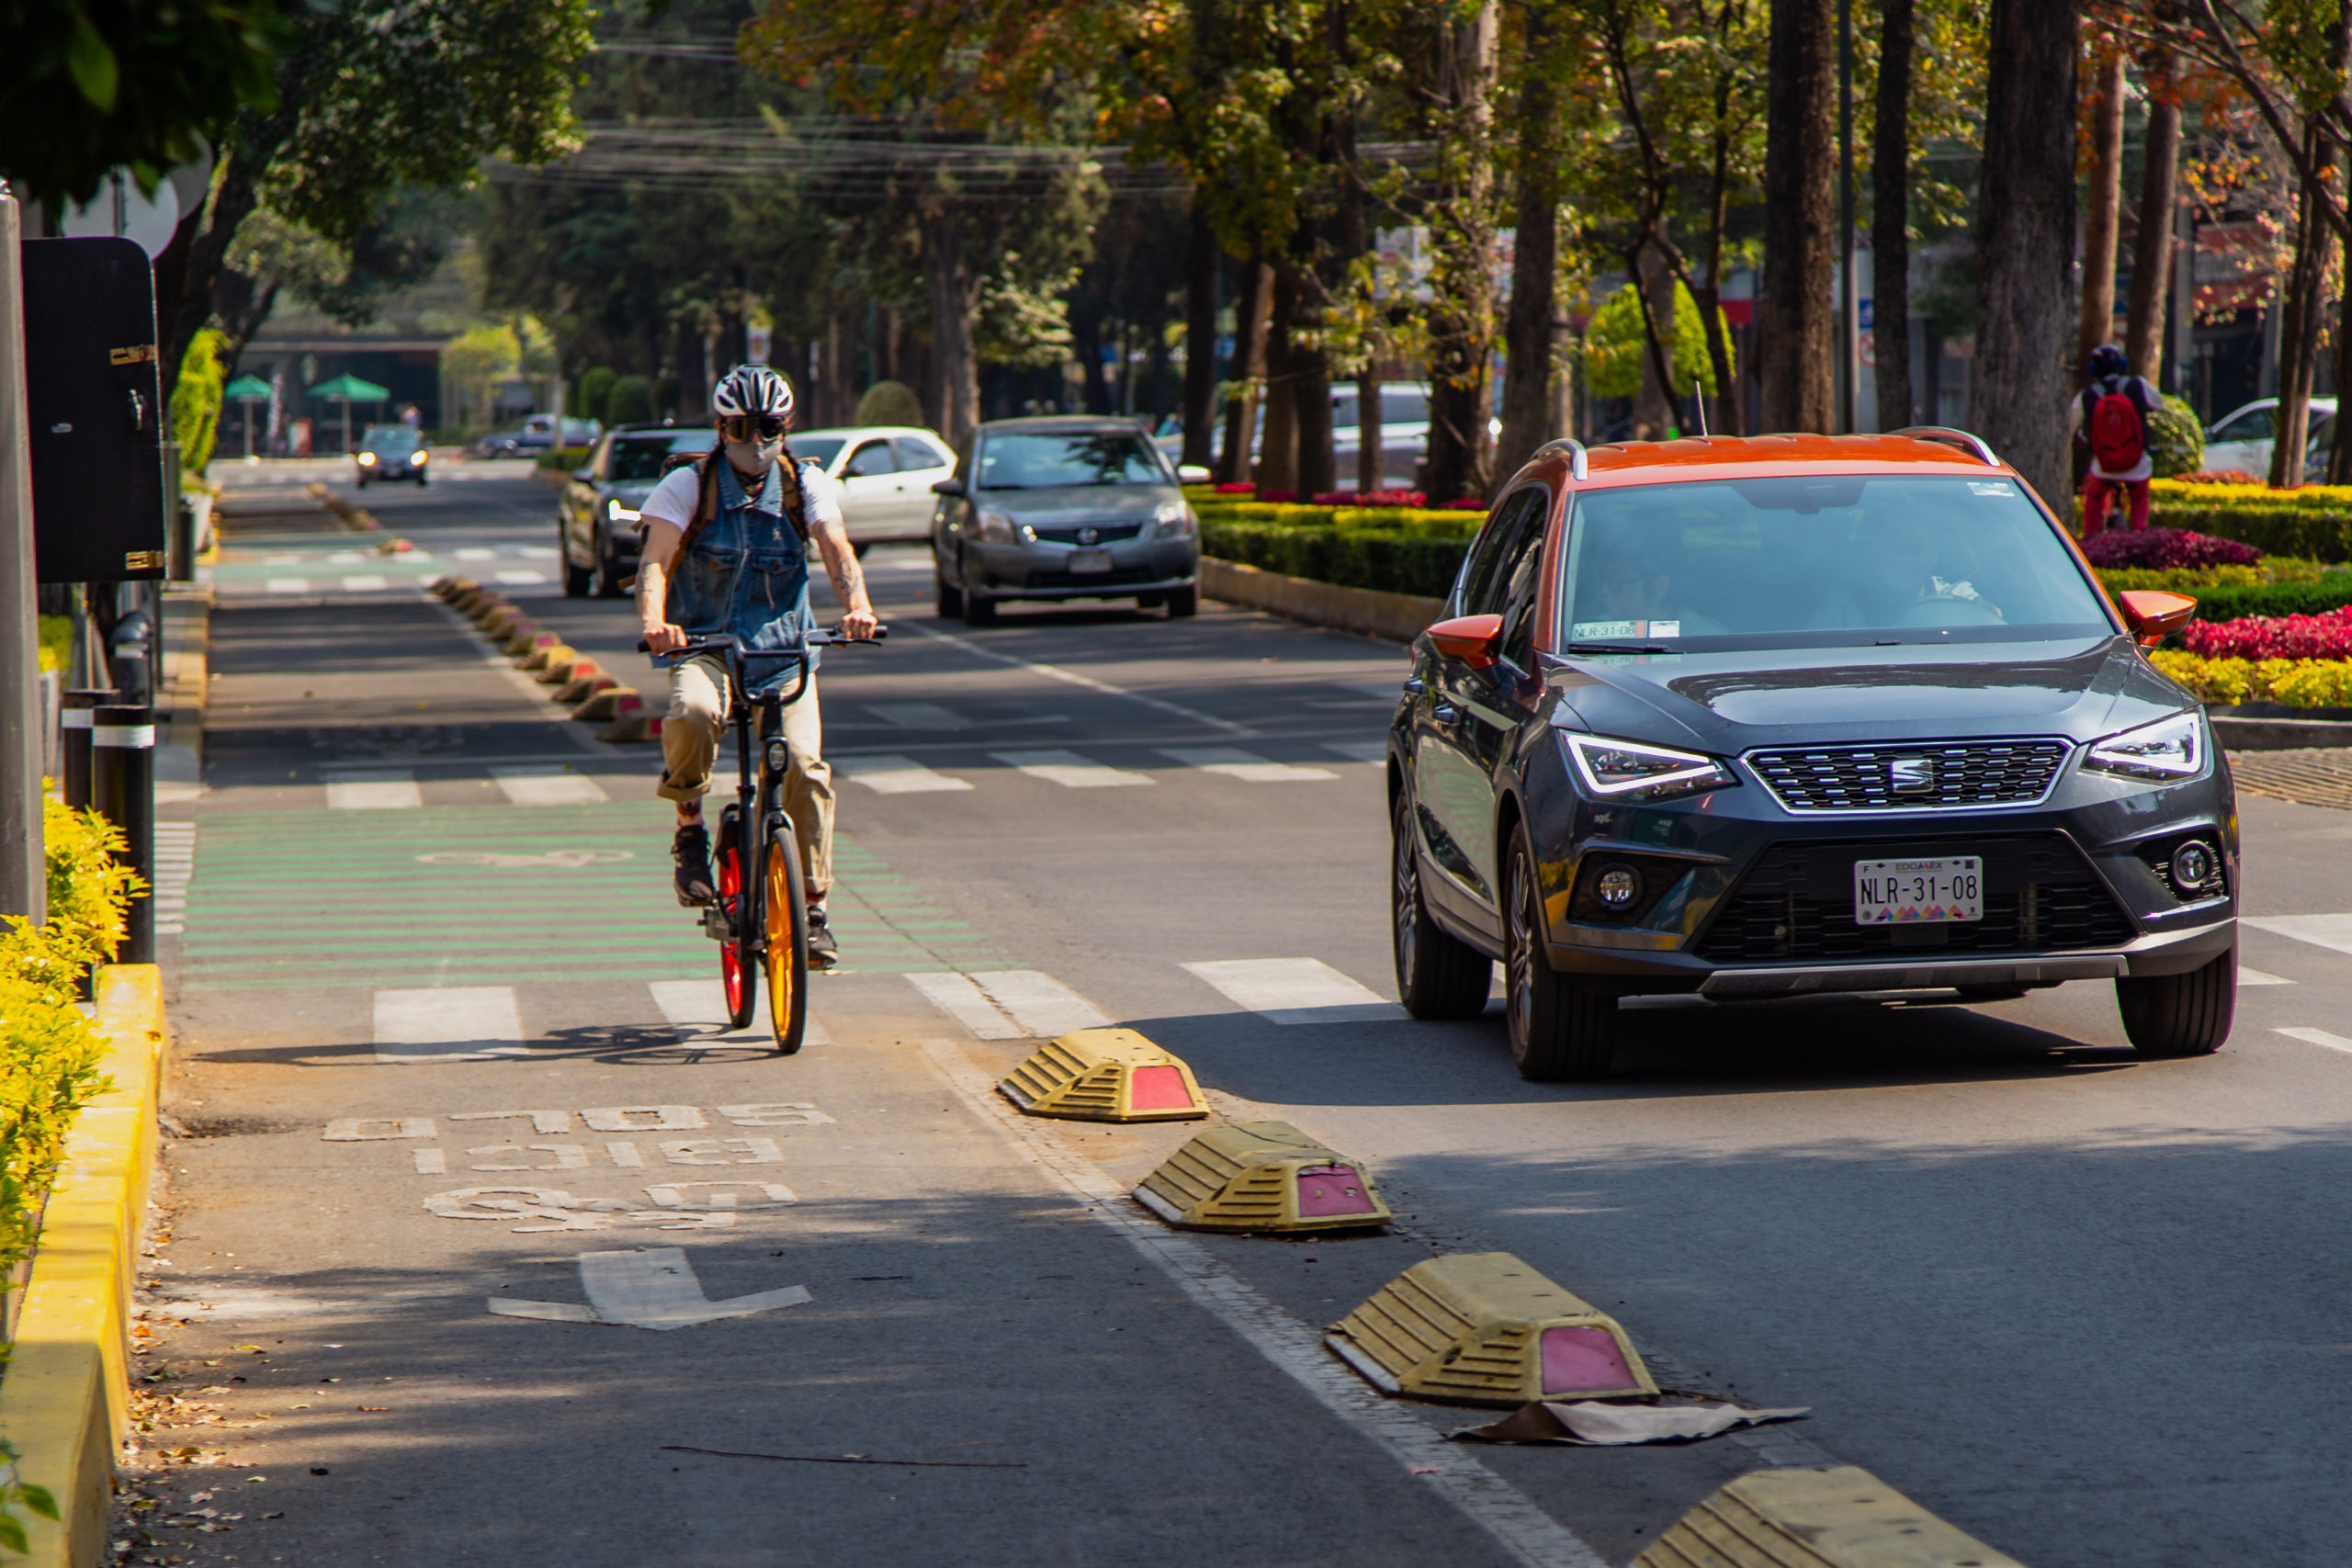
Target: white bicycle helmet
752, 389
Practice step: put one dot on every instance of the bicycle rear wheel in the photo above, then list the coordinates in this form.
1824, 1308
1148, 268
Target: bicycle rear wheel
738, 964
787, 945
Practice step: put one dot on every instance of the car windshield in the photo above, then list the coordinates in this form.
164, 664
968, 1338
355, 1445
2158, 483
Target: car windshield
1398, 405
1838, 559
396, 439
815, 448
640, 457
1033, 460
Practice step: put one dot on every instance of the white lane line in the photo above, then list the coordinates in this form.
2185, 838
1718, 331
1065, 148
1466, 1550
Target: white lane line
1040, 1004
282, 560
345, 557
547, 786
366, 584
1527, 1534
1247, 766
2333, 931
534, 552
895, 776
519, 577
2260, 977
1296, 991
960, 1000
697, 1010
2317, 1037
1070, 769
917, 716
1359, 751
1073, 677
438, 1025
476, 555
287, 585
376, 789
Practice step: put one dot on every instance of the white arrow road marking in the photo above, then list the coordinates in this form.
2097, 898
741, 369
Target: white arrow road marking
653, 1289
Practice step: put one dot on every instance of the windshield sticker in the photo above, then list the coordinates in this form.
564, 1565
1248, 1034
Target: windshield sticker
1665, 628
1991, 487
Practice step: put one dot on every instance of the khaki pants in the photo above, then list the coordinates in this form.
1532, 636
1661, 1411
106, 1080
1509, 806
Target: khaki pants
690, 744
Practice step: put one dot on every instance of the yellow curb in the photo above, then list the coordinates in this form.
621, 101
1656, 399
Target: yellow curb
1839, 1516
65, 1400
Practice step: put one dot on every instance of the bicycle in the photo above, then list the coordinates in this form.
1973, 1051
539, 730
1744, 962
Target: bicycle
761, 922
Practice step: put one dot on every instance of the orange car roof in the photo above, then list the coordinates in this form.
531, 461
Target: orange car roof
1630, 462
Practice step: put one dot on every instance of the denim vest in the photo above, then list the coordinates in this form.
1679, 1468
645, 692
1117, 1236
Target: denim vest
747, 573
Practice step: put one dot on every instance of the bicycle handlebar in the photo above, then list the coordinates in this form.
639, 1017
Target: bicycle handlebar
726, 643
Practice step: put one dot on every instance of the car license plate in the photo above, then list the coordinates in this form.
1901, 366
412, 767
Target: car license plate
1090, 560
1902, 892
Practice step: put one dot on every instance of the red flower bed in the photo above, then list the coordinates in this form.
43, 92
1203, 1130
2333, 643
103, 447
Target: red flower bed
2164, 549
1467, 503
2274, 636
1371, 498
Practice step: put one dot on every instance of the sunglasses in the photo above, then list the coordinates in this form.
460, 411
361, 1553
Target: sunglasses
744, 427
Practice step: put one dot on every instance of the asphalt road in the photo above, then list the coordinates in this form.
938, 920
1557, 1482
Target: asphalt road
2085, 1307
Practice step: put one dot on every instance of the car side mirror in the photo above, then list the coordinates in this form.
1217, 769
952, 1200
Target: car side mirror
2154, 616
1473, 639
947, 487
584, 475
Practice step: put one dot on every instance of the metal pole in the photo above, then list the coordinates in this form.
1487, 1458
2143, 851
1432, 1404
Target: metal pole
24, 872
74, 720
122, 737
1848, 309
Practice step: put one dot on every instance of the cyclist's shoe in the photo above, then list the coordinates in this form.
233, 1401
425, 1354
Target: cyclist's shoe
690, 850
823, 951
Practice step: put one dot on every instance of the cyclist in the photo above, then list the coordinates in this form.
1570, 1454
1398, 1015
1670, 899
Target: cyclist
2112, 416
727, 554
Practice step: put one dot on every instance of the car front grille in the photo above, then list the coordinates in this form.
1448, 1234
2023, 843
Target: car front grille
1796, 904
1943, 775
1104, 534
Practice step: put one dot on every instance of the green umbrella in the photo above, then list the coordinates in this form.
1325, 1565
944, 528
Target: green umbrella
347, 391
246, 390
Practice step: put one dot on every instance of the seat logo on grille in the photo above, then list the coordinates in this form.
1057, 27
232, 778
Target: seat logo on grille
1911, 775
1089, 536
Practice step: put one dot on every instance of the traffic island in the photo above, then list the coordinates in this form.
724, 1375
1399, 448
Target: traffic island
1398, 617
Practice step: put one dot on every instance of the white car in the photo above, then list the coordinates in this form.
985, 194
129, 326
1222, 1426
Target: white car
885, 473
2241, 440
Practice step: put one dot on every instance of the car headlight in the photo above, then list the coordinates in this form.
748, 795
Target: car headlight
366, 459
619, 513
1173, 521
417, 456
2169, 749
1628, 769
995, 528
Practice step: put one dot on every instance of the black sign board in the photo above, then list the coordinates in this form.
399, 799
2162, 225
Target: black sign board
97, 410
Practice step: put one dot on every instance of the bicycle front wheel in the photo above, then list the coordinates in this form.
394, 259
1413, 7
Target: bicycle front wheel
788, 953
738, 965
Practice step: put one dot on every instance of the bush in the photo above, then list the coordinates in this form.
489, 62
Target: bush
2273, 600
196, 398
595, 388
2326, 636
2165, 547
56, 642
2275, 527
2175, 441
629, 400
563, 460
1391, 562
2292, 682
889, 403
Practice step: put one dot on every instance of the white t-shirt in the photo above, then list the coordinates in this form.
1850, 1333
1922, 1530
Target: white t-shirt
673, 501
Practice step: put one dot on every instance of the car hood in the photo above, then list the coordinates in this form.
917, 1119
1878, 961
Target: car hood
1727, 702
1080, 502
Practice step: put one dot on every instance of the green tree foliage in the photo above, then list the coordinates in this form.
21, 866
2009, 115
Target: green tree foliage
196, 402
630, 401
1615, 345
595, 387
889, 403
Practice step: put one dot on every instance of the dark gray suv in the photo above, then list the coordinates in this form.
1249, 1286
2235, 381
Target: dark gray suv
1063, 508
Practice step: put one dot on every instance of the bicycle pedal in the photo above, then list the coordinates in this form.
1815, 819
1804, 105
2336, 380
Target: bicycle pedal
716, 925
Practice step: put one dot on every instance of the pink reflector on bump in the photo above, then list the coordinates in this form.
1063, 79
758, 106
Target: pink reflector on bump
1584, 1360
1327, 1189
1156, 1088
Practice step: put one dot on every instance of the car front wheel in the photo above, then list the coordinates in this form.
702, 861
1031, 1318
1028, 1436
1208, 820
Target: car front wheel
1437, 975
1559, 1030
2182, 1015
948, 599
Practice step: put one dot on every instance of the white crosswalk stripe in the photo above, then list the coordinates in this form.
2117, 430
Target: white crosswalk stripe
547, 786
2260, 977
1247, 766
519, 578
439, 1025
2333, 931
1070, 769
476, 555
366, 584
2317, 1037
917, 716
382, 789
175, 867
697, 1010
1296, 991
895, 776
1009, 1004
287, 585
345, 557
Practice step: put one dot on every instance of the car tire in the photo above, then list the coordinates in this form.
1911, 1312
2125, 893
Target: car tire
2180, 1015
1559, 1030
363, 481
947, 601
579, 581
1438, 975
607, 581
979, 610
1184, 602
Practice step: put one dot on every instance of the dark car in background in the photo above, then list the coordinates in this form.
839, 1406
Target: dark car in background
390, 452
1059, 509
596, 515
1791, 715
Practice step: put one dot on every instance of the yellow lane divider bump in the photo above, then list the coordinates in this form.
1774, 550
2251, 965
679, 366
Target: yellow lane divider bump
1486, 1328
1838, 1516
1105, 1075
1262, 1176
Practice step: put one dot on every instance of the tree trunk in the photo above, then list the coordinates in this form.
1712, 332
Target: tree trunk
2339, 451
1658, 406
1797, 325
2299, 337
2097, 324
1310, 387
954, 293
1086, 341
1529, 342
1461, 274
1369, 461
1250, 368
2025, 240
2143, 331
1890, 218
1202, 271
1278, 454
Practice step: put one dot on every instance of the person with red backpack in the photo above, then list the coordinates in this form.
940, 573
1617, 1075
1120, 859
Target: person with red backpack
2112, 416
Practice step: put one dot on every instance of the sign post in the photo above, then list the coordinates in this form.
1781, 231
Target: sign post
24, 877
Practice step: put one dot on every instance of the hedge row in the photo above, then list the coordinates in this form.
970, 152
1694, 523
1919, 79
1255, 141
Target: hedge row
2274, 527
1351, 558
1412, 522
2294, 683
2331, 592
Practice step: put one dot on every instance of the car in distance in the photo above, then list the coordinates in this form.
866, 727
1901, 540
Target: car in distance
1059, 508
2241, 440
596, 521
536, 434
390, 452
1797, 714
886, 473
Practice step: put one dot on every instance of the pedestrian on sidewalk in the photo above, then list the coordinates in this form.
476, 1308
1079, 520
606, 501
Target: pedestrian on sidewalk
727, 553
2110, 415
